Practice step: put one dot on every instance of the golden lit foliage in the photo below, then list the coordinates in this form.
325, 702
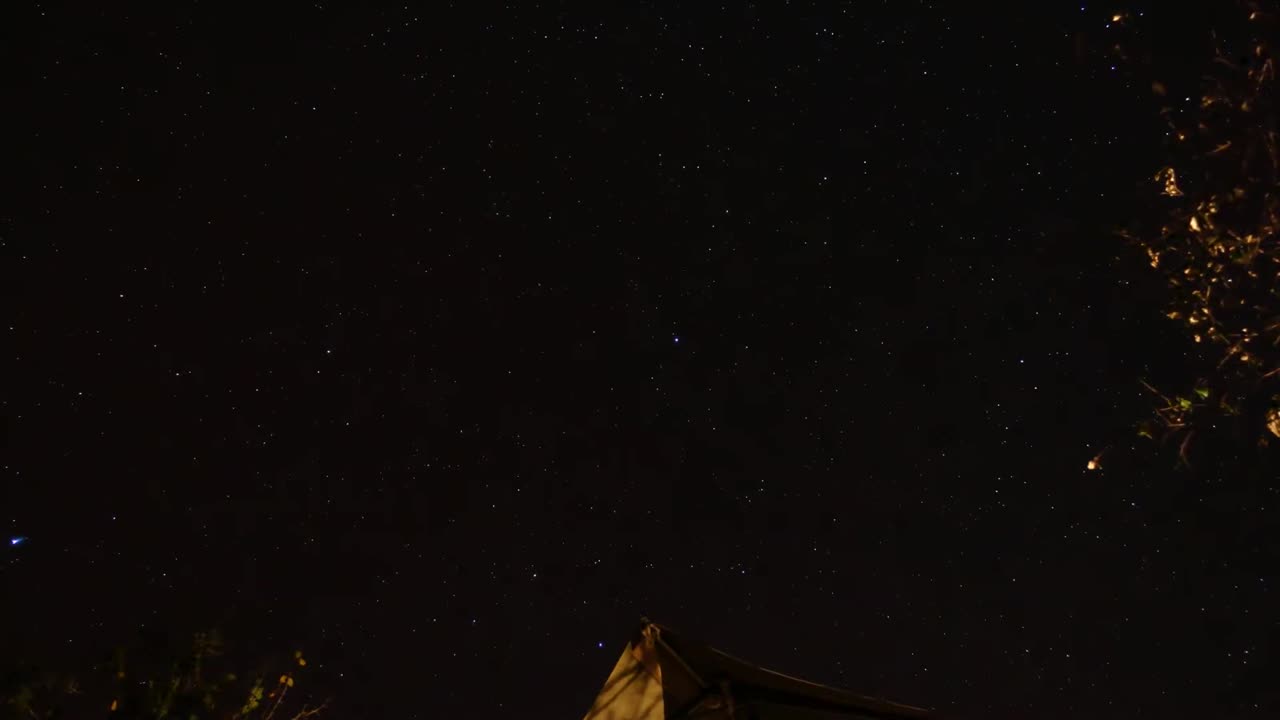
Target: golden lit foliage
174, 687
1169, 179
1215, 238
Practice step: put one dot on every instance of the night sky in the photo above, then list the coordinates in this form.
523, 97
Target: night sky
445, 342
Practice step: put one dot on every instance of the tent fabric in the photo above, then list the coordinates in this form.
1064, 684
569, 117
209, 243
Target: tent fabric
634, 688
662, 675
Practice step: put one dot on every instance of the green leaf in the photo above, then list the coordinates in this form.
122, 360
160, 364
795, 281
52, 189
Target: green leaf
1184, 403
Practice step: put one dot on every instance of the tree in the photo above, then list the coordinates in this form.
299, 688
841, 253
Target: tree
142, 686
1213, 236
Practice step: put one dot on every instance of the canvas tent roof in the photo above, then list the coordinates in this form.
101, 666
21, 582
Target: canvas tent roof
663, 676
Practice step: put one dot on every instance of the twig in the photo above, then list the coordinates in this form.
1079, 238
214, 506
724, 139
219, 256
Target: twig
1157, 392
279, 699
1182, 449
305, 713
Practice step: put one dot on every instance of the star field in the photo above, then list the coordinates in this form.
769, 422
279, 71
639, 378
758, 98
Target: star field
445, 342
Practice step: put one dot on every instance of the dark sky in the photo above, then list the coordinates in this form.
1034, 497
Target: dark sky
447, 342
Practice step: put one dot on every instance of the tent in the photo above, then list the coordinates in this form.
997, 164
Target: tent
662, 676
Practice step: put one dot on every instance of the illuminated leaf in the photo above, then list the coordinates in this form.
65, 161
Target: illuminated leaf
1169, 178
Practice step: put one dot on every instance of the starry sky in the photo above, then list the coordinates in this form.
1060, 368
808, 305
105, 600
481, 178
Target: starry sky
446, 341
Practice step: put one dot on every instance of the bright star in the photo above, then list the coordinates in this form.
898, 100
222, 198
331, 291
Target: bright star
16, 541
